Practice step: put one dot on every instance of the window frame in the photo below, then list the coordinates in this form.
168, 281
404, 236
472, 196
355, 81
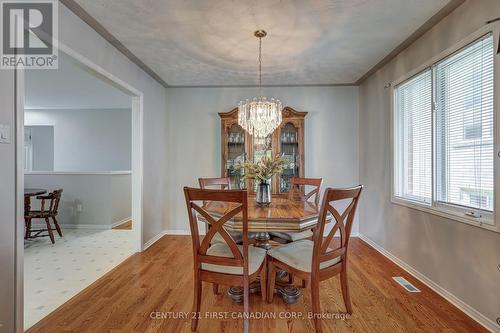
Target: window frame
488, 220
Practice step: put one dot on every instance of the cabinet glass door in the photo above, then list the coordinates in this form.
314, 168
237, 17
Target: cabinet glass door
261, 148
289, 144
235, 156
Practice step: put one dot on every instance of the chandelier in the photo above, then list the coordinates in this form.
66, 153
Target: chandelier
259, 116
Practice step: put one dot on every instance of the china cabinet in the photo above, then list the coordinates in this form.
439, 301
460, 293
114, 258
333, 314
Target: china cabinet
238, 145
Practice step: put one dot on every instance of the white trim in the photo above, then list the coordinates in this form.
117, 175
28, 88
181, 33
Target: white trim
181, 232
97, 173
154, 240
481, 222
39, 225
122, 221
457, 302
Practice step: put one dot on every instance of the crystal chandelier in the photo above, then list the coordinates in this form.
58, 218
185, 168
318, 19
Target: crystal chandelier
259, 116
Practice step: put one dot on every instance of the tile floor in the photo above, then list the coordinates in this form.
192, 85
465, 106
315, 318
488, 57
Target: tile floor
55, 273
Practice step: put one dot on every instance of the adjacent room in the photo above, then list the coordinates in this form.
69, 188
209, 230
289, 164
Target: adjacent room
77, 178
250, 166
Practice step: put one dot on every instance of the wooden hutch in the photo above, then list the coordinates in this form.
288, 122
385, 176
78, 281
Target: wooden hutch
238, 145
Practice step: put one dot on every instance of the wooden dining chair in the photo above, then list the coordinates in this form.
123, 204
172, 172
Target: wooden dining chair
316, 260
227, 264
223, 183
301, 189
46, 213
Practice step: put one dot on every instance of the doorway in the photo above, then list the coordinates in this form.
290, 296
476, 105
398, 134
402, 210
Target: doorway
28, 157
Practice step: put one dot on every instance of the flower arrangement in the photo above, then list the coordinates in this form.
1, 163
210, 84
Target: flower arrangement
264, 169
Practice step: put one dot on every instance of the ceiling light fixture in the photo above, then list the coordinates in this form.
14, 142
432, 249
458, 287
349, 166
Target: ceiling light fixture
260, 116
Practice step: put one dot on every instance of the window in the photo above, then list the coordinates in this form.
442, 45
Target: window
445, 158
464, 113
414, 134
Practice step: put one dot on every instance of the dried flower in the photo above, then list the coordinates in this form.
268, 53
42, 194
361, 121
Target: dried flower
264, 169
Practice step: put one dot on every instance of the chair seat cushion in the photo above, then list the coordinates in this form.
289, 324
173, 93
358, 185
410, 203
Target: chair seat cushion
299, 255
293, 236
256, 256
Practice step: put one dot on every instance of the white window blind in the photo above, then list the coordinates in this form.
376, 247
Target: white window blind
464, 126
413, 138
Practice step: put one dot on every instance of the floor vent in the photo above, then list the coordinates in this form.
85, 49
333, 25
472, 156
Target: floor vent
405, 284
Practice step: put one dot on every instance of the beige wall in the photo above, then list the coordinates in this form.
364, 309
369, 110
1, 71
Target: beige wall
458, 257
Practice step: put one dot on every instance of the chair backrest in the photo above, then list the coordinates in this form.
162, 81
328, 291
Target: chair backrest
237, 203
223, 182
342, 223
54, 198
298, 189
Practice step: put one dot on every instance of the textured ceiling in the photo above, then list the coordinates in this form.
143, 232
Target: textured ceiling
211, 42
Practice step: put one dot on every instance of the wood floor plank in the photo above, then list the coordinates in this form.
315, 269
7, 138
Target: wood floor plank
159, 282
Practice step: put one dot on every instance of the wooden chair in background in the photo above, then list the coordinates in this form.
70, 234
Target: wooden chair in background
223, 183
315, 260
300, 190
227, 264
46, 213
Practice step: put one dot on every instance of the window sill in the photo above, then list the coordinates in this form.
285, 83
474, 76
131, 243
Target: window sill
483, 222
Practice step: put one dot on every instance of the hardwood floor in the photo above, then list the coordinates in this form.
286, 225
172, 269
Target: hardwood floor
131, 297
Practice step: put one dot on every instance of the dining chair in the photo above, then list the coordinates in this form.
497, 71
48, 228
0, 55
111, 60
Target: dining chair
224, 183
46, 213
301, 189
223, 263
316, 260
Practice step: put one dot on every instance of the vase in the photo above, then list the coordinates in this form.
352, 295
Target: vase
263, 197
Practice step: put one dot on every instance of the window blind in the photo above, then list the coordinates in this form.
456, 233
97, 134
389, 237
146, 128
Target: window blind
413, 138
464, 126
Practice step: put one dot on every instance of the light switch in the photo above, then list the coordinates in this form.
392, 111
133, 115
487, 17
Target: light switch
4, 133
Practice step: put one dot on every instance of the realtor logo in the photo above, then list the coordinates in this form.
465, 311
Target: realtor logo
28, 34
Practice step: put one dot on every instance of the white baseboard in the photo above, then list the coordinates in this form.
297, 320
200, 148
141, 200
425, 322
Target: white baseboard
73, 226
464, 307
125, 220
178, 232
154, 240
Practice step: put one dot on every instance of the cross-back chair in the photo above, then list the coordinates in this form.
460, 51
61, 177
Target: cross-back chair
300, 190
49, 207
316, 260
227, 264
223, 182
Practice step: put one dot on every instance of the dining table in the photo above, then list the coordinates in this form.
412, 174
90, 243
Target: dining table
281, 215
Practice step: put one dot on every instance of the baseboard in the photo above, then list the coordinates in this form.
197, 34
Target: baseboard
178, 232
125, 220
154, 240
73, 226
461, 305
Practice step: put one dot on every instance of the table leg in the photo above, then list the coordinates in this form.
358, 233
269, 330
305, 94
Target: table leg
262, 240
27, 209
288, 292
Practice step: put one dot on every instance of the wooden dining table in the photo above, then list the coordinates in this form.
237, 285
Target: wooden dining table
282, 215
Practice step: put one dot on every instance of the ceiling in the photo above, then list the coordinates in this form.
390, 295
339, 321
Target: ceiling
71, 86
207, 43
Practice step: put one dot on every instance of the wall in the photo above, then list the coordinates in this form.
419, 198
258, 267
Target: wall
458, 257
331, 136
7, 206
89, 200
87, 139
81, 38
